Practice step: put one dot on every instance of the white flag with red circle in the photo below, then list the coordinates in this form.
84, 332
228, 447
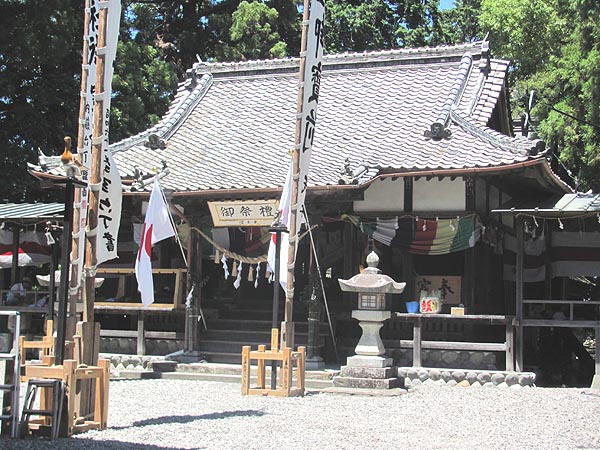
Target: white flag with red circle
157, 226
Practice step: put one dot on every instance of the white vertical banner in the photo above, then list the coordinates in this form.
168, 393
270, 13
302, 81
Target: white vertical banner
111, 193
86, 152
312, 83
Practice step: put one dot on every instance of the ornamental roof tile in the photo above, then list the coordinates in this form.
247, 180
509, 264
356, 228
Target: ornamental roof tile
232, 125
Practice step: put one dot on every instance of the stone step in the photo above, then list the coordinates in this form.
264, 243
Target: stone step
240, 324
311, 384
367, 383
229, 373
231, 346
252, 336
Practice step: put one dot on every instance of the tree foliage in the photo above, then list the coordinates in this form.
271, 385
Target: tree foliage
554, 49
39, 93
553, 46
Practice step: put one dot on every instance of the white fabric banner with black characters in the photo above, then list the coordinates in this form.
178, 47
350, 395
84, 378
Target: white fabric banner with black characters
312, 82
86, 152
111, 193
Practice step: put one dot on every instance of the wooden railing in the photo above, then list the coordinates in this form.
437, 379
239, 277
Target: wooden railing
140, 313
570, 322
418, 344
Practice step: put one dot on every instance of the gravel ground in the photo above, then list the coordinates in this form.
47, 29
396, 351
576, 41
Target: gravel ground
163, 414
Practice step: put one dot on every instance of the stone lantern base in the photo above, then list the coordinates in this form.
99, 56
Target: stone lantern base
368, 372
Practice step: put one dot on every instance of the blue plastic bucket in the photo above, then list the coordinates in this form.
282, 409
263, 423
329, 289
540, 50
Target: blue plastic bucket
412, 307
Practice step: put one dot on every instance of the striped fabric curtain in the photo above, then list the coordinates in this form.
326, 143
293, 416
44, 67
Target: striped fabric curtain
423, 236
437, 237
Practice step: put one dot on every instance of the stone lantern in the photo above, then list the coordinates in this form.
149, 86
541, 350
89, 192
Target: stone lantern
369, 363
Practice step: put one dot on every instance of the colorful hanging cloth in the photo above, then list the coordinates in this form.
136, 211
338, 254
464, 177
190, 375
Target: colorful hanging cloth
421, 236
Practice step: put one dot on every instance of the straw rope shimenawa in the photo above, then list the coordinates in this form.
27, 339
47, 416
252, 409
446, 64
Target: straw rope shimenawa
237, 256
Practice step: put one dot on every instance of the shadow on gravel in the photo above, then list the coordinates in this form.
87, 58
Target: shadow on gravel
187, 419
77, 443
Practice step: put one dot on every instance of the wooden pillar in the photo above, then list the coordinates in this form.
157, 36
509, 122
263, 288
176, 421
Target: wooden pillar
596, 378
408, 276
469, 263
407, 258
348, 249
192, 313
520, 266
417, 343
510, 343
548, 264
141, 334
14, 269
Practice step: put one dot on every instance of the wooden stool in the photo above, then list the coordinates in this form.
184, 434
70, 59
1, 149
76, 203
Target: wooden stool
55, 407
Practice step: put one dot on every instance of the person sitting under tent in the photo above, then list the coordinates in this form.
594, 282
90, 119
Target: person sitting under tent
19, 294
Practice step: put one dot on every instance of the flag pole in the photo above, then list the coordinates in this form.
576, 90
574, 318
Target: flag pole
95, 172
173, 224
79, 207
311, 54
287, 327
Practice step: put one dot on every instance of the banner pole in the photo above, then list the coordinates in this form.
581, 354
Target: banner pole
95, 171
287, 331
80, 200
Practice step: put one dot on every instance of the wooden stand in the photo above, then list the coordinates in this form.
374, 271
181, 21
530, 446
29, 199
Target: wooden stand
47, 345
71, 374
288, 359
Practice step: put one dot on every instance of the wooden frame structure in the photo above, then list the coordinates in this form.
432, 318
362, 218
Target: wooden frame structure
71, 373
122, 272
140, 313
288, 359
47, 344
417, 344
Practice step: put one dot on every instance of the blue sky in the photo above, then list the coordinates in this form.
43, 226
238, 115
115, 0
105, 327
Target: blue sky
445, 4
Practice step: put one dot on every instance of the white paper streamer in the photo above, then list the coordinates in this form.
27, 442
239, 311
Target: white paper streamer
238, 280
256, 275
225, 268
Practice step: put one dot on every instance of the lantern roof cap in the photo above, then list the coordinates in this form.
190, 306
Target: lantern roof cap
372, 281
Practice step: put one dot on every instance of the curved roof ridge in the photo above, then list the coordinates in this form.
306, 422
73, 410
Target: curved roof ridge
457, 89
516, 145
424, 54
190, 92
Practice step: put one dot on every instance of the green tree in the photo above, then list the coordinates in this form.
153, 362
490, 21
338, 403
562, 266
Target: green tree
569, 92
461, 23
359, 25
143, 82
254, 33
40, 55
554, 49
528, 32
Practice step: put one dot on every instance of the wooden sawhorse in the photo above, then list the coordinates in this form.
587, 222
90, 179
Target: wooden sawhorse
289, 359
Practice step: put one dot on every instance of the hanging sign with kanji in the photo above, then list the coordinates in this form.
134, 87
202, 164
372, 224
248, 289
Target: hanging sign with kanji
235, 213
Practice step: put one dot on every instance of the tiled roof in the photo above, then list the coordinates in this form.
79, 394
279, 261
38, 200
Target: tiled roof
31, 211
232, 125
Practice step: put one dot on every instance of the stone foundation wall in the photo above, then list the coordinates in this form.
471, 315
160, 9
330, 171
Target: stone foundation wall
417, 376
120, 362
476, 360
128, 346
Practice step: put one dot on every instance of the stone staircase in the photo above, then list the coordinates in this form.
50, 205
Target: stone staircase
247, 324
